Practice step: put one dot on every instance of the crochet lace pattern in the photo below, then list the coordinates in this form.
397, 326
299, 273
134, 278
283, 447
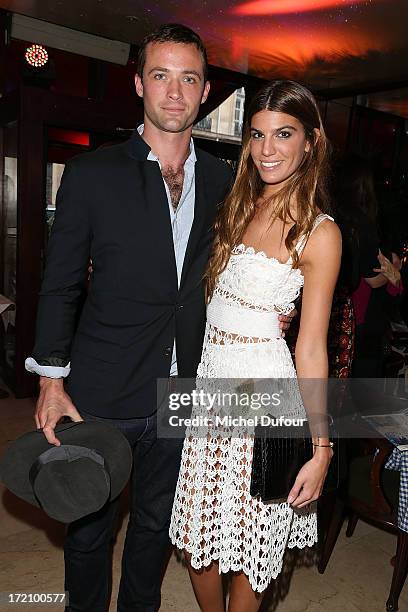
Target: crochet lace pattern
214, 517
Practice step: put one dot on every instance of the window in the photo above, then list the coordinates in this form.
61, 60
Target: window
225, 122
239, 111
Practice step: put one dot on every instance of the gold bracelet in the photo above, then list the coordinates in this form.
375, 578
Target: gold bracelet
329, 445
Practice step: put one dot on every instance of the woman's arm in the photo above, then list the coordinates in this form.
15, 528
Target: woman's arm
376, 281
320, 265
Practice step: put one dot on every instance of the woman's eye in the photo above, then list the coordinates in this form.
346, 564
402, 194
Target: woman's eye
284, 134
256, 135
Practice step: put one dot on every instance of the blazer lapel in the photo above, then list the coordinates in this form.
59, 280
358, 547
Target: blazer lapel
156, 198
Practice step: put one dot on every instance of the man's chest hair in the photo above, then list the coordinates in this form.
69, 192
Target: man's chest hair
174, 180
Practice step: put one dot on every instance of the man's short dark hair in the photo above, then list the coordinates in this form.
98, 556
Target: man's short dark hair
176, 33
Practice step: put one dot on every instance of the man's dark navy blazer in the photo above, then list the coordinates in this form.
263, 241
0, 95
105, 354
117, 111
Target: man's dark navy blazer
112, 207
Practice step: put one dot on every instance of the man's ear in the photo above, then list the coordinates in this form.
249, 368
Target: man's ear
139, 85
205, 92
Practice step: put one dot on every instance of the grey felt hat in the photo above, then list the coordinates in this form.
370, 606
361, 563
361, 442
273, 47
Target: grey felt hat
91, 466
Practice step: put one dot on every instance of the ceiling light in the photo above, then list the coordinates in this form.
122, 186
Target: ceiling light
36, 56
73, 41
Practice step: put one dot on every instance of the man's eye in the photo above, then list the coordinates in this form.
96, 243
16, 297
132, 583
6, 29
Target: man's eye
159, 76
189, 79
284, 134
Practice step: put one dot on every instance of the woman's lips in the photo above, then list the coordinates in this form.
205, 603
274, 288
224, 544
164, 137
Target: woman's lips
270, 165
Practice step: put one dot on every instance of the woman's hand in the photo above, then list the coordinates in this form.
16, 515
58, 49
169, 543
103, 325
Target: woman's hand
388, 269
396, 261
310, 480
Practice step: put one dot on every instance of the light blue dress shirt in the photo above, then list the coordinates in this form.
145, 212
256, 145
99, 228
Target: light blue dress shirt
181, 224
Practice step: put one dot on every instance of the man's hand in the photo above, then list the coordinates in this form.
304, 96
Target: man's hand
286, 320
53, 404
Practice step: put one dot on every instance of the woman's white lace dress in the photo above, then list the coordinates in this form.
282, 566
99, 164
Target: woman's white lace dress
214, 516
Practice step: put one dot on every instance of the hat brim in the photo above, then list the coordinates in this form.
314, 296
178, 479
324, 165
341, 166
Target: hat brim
105, 439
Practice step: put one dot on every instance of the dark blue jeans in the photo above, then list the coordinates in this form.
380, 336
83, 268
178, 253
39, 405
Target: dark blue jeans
88, 546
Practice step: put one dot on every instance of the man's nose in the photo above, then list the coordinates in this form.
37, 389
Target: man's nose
174, 90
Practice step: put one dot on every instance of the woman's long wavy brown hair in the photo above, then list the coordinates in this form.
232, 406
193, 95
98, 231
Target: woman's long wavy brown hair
305, 190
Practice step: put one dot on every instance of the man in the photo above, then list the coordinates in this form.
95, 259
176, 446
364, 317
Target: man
143, 212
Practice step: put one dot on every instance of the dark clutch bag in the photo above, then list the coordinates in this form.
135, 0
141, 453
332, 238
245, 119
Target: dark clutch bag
277, 460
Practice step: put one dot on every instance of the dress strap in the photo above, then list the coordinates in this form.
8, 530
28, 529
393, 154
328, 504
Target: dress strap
302, 242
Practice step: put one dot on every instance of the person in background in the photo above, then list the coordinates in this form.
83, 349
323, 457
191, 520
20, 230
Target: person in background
366, 271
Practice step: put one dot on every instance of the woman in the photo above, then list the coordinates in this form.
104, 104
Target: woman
272, 238
372, 278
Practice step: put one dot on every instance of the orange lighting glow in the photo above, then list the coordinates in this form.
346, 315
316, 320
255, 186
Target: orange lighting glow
277, 7
271, 50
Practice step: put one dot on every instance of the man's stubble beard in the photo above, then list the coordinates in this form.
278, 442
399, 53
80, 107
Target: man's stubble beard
164, 127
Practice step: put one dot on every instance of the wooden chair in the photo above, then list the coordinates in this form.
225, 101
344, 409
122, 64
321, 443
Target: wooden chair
371, 493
